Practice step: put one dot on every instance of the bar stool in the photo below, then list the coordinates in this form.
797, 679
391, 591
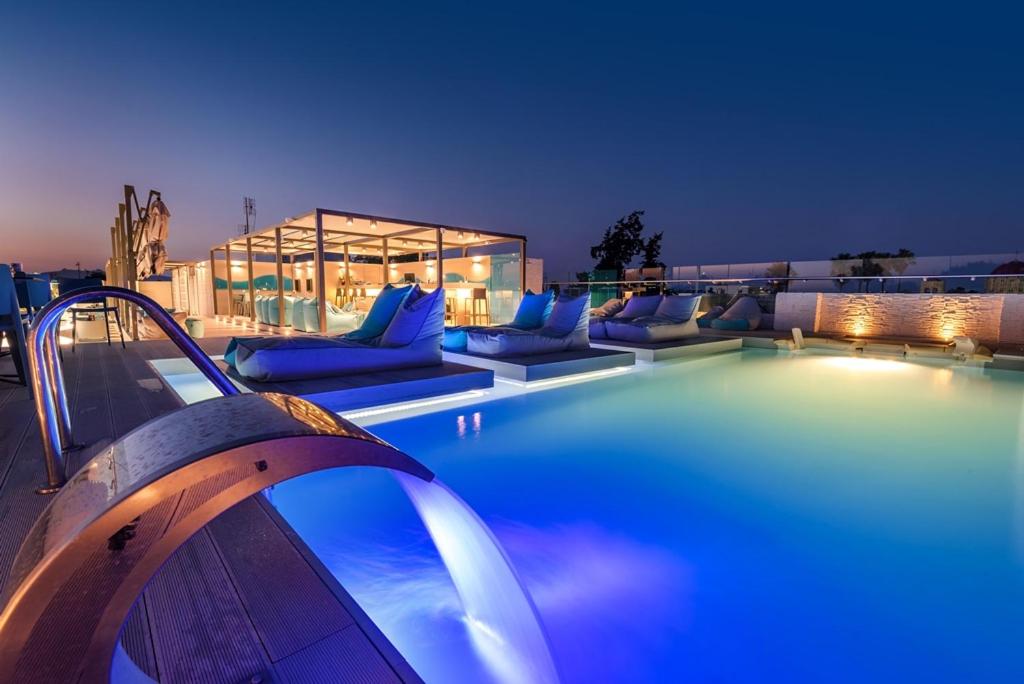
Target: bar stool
479, 313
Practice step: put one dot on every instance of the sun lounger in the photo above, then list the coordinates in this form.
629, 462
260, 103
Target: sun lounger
567, 327
637, 306
532, 314
402, 330
673, 319
744, 314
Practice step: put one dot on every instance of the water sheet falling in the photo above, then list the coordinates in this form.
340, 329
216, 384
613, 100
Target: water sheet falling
500, 616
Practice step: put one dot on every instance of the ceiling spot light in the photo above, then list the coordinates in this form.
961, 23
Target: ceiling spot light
373, 225
461, 235
348, 221
476, 236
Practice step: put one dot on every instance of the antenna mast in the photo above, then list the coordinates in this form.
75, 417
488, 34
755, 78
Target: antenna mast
249, 210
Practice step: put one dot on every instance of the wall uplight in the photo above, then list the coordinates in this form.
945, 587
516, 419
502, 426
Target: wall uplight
373, 225
348, 221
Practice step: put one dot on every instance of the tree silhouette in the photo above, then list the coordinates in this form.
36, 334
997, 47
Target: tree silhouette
652, 251
620, 244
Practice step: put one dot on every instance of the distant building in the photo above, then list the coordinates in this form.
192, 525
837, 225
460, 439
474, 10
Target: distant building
1011, 280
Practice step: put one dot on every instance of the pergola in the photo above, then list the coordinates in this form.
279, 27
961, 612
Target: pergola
355, 237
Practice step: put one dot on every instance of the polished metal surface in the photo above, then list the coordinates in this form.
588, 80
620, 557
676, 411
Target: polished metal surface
111, 527
48, 380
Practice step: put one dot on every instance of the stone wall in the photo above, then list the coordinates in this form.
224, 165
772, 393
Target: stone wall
991, 318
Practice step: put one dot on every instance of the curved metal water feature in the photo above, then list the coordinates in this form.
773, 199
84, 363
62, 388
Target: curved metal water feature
110, 528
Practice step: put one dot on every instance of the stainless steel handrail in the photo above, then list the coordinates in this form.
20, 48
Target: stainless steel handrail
48, 376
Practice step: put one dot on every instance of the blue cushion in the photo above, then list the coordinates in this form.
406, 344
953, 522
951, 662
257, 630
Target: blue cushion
678, 307
381, 313
418, 316
640, 305
455, 339
533, 310
567, 314
737, 324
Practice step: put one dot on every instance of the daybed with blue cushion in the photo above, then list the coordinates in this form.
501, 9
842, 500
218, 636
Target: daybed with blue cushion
567, 327
636, 306
744, 314
673, 319
531, 315
403, 329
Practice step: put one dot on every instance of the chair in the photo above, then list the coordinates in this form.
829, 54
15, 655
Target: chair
33, 293
94, 306
12, 325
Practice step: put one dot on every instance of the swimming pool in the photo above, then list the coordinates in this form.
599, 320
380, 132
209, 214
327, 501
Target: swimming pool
745, 517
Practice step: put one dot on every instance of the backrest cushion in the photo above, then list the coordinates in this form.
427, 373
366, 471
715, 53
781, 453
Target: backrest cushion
420, 316
533, 310
609, 308
568, 314
640, 305
746, 309
678, 307
383, 310
311, 315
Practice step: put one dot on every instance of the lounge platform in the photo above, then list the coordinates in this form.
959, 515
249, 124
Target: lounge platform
546, 366
677, 349
245, 599
344, 393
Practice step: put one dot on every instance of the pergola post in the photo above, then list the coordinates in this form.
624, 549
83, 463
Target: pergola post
280, 278
440, 257
127, 264
252, 285
522, 268
133, 266
213, 281
384, 262
112, 276
231, 282
346, 280
321, 280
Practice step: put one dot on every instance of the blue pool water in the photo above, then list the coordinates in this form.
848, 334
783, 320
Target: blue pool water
743, 518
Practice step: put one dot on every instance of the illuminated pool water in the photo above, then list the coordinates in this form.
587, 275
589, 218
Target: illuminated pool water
747, 517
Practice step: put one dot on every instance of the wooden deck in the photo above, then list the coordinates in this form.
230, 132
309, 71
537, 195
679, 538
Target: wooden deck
245, 599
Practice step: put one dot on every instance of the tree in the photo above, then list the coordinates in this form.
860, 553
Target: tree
652, 251
620, 244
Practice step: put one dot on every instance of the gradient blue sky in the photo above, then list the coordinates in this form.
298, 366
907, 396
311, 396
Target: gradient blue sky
755, 131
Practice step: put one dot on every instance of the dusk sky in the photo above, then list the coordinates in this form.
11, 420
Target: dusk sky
748, 132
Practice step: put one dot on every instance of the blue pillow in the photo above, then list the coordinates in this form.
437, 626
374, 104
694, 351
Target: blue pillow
567, 314
533, 310
381, 313
418, 316
737, 324
678, 307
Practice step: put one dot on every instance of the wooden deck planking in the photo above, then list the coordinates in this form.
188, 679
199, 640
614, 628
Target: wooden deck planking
216, 612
